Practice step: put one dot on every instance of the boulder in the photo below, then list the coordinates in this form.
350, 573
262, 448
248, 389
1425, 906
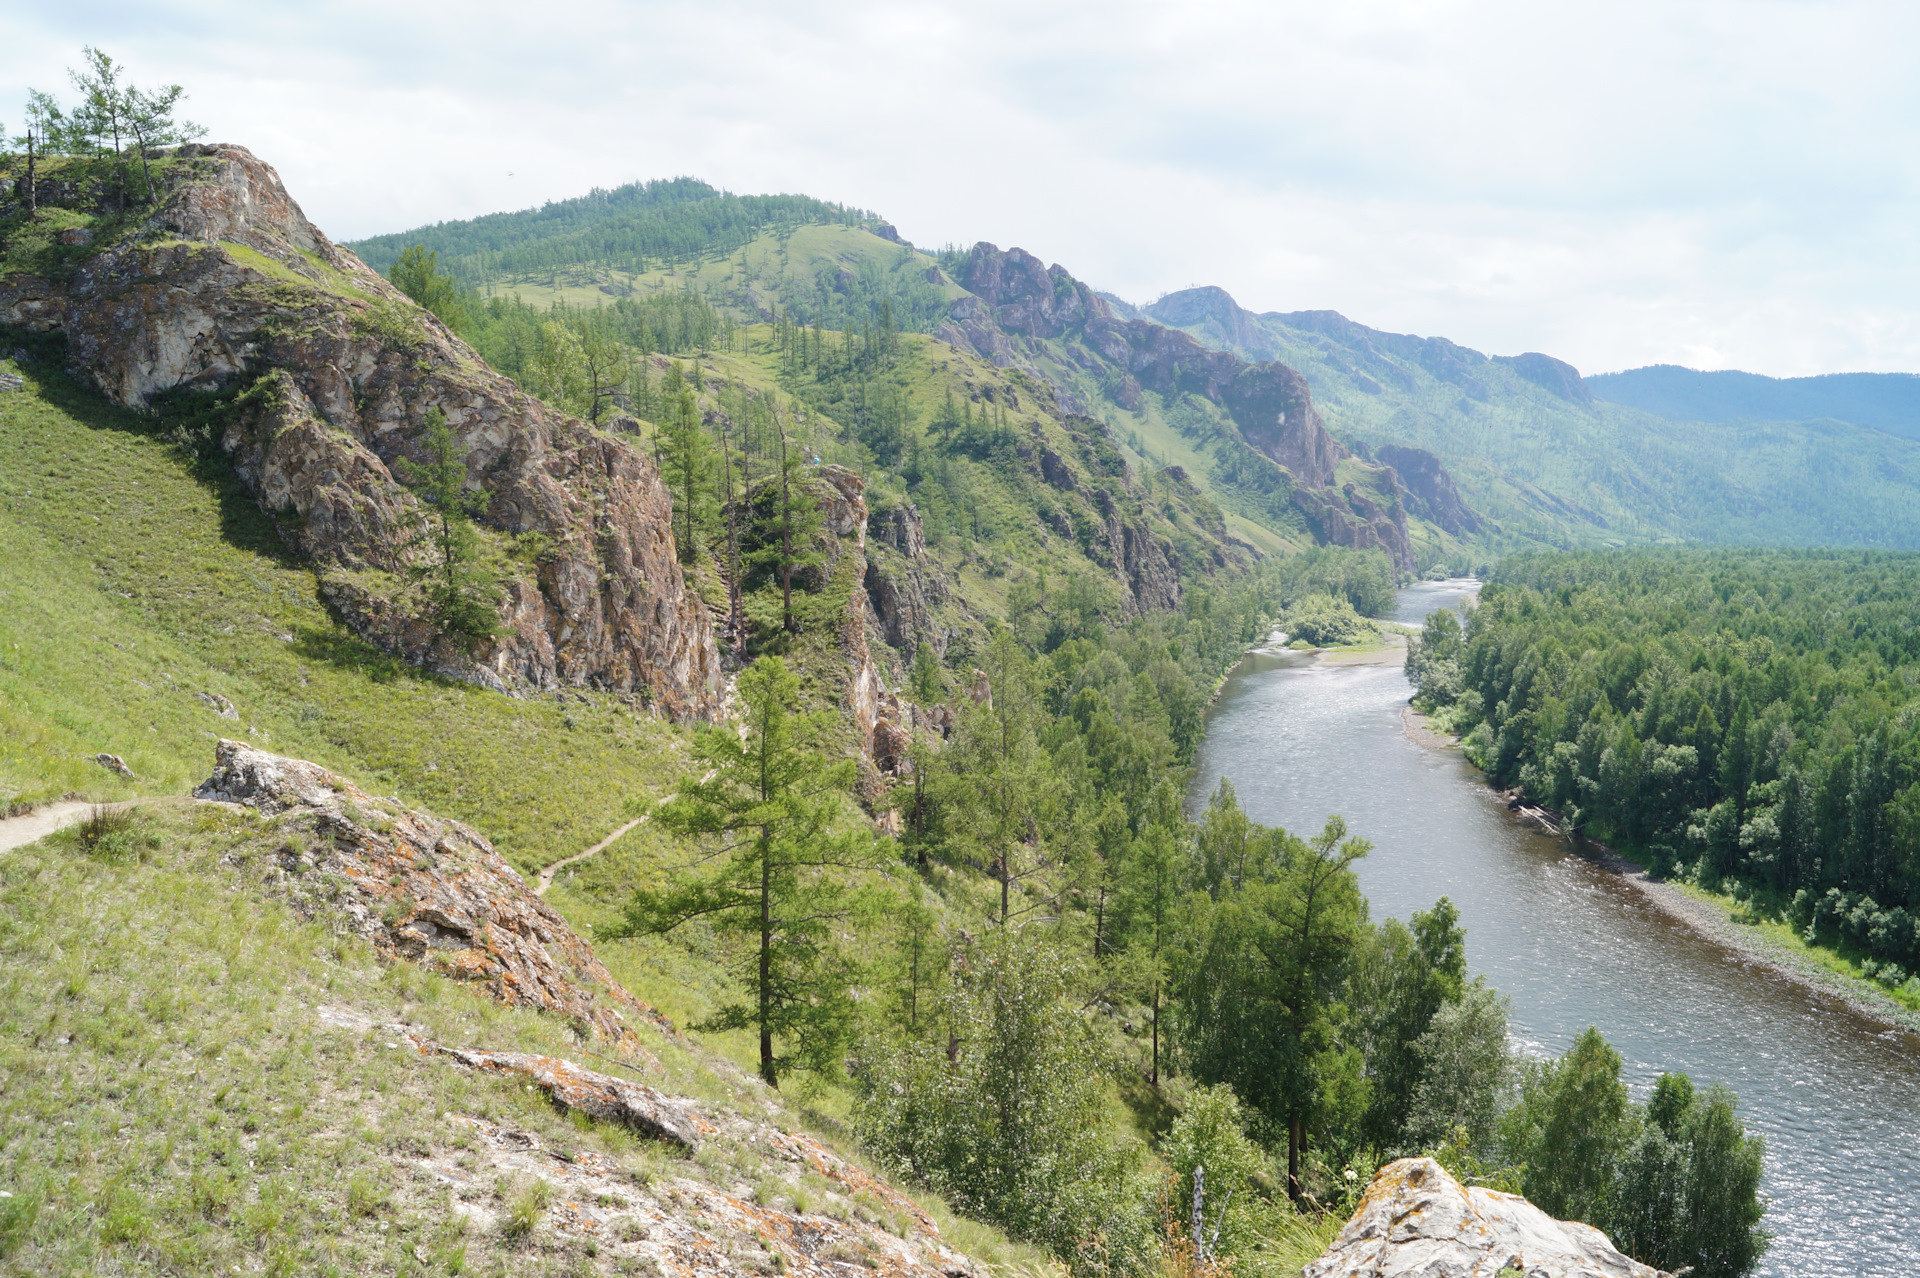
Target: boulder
1415, 1219
601, 1096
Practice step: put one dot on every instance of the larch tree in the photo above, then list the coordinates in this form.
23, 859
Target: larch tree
776, 866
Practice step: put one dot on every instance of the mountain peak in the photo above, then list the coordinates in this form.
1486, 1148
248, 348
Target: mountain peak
1553, 375
1208, 307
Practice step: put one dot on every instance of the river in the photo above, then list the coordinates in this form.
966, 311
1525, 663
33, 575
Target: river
1833, 1094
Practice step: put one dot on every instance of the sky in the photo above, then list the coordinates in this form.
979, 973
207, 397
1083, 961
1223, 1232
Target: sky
1718, 185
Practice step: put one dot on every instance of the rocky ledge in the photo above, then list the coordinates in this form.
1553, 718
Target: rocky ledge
1415, 1219
425, 890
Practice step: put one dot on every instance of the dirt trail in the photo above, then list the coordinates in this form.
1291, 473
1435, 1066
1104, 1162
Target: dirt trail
17, 832
546, 875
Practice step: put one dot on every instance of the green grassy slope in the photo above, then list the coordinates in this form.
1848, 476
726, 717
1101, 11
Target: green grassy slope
188, 1110
131, 580
198, 1082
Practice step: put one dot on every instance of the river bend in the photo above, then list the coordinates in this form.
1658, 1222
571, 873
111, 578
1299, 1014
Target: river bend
1573, 946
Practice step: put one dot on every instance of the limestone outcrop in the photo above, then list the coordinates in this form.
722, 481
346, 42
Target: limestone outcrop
229, 285
614, 1100
1415, 1219
422, 889
902, 584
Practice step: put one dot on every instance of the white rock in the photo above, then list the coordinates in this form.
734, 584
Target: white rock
1415, 1219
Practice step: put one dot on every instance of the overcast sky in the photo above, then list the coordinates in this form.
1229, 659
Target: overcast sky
1718, 185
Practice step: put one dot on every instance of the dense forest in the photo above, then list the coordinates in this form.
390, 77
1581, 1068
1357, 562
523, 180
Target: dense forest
1747, 718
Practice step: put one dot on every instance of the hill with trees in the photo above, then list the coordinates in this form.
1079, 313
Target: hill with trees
1884, 401
837, 273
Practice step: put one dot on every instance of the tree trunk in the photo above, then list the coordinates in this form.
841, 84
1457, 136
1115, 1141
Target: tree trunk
33, 189
146, 170
734, 623
1199, 1214
766, 962
1296, 1137
1153, 1073
786, 542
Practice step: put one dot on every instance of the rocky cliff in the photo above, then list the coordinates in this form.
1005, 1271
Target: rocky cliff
227, 285
1018, 302
1416, 1219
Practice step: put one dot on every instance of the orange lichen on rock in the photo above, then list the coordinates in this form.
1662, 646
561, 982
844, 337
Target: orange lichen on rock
600, 1096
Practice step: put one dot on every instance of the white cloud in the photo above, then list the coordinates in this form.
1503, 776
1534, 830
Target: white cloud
1616, 184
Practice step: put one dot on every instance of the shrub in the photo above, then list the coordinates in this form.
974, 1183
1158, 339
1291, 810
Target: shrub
1013, 1128
110, 834
1325, 622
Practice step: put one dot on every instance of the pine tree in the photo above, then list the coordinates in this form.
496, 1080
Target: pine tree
790, 529
416, 272
687, 463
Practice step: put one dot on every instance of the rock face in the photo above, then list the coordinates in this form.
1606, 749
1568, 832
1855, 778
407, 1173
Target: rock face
1017, 298
419, 888
1430, 487
614, 1100
679, 1225
230, 285
902, 584
1415, 1219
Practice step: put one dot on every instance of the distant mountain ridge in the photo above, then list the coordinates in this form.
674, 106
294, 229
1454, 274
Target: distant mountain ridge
1555, 458
1884, 401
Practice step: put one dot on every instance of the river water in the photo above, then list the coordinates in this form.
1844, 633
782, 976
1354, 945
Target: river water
1835, 1095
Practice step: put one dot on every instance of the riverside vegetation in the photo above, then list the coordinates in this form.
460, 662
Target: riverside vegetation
1744, 720
1048, 1003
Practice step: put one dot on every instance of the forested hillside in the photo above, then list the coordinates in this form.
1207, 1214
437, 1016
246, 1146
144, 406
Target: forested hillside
1884, 401
1550, 459
837, 274
1745, 718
